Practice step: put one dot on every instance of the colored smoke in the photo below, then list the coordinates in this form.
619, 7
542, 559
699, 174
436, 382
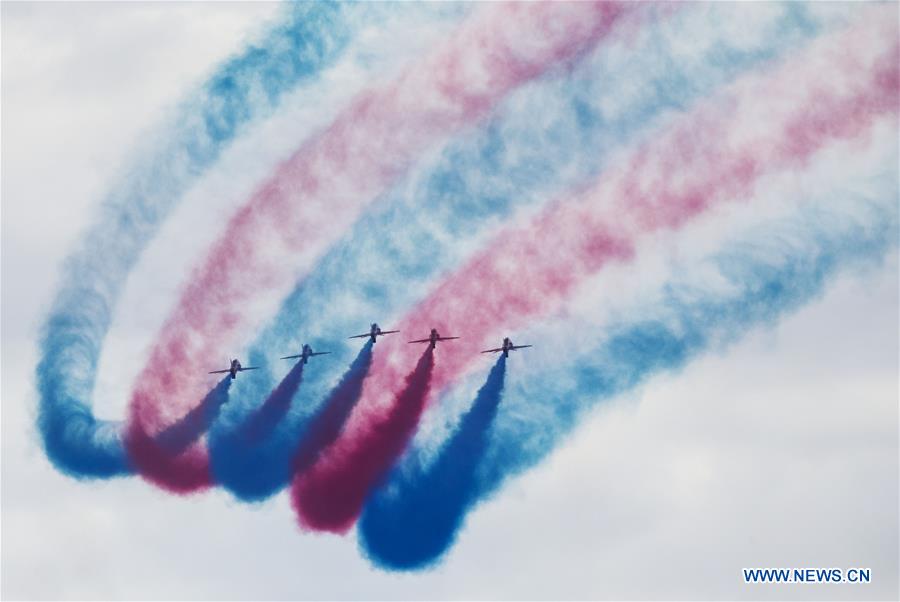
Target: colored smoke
325, 426
702, 160
170, 459
773, 270
307, 39
329, 497
346, 166
178, 437
413, 520
254, 468
486, 174
262, 422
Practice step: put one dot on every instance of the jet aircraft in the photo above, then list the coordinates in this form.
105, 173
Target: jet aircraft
235, 368
305, 354
373, 333
507, 347
434, 338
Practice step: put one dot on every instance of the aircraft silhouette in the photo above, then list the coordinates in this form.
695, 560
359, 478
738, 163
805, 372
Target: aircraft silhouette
507, 347
434, 338
235, 368
374, 332
305, 354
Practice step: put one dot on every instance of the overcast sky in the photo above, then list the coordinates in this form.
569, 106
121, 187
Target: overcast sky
783, 451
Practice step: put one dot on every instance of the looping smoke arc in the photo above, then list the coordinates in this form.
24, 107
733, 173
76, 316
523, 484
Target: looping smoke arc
479, 188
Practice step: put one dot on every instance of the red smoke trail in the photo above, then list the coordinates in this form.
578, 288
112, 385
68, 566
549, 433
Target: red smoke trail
318, 193
327, 500
173, 459
710, 156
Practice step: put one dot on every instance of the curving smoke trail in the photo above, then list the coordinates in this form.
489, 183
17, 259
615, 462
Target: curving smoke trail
332, 503
759, 278
340, 454
273, 240
705, 159
158, 458
308, 39
253, 468
262, 422
326, 424
181, 435
187, 468
245, 450
479, 179
411, 520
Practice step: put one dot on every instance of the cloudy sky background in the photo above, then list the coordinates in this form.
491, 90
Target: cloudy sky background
781, 452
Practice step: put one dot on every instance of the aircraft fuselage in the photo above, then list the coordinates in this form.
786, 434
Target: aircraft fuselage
235, 368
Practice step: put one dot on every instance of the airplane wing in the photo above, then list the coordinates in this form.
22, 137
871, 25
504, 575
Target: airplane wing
493, 350
250, 368
219, 371
360, 336
520, 346
421, 341
388, 331
293, 357
447, 338
318, 353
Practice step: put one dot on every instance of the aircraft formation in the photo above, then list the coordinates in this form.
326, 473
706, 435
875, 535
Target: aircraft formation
374, 332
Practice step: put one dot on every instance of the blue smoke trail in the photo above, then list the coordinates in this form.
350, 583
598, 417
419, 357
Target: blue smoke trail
308, 39
387, 259
253, 468
326, 424
263, 421
160, 458
412, 521
774, 271
176, 438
